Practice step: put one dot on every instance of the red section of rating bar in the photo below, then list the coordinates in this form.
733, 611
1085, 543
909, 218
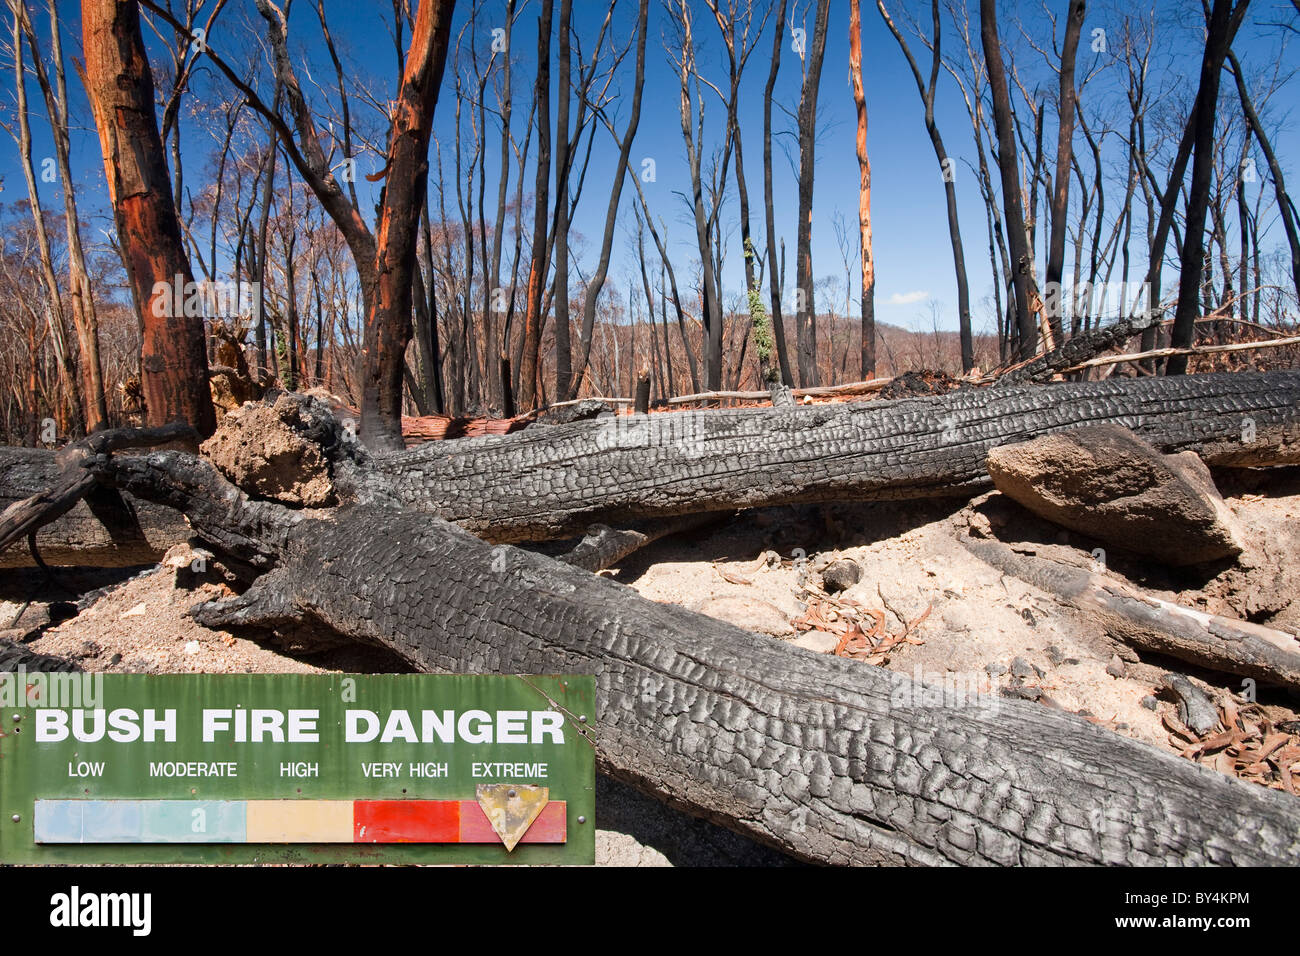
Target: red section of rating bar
549, 827
445, 821
406, 821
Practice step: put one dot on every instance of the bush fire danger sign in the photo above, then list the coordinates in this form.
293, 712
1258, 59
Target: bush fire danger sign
219, 768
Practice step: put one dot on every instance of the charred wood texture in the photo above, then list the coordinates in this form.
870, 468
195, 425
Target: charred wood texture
1077, 349
549, 483
556, 482
76, 520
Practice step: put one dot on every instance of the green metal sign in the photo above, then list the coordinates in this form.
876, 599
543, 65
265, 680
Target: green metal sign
218, 768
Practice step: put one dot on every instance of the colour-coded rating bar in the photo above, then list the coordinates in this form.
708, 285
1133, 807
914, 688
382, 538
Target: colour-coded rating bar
280, 821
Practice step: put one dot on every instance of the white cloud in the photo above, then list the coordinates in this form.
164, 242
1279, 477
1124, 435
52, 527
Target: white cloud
907, 298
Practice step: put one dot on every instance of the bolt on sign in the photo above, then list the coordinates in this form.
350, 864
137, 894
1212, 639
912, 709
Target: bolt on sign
253, 768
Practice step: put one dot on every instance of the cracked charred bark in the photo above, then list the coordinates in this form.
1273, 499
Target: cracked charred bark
554, 482
105, 528
546, 483
825, 758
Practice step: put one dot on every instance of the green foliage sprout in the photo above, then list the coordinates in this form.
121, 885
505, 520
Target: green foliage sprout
762, 323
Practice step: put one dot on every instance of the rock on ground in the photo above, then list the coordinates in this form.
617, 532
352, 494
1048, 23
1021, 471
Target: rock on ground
1106, 482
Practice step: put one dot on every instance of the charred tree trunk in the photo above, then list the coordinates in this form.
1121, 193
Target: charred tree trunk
1286, 209
82, 299
825, 758
1065, 110
530, 358
496, 339
1151, 624
1022, 264
67, 408
107, 528
710, 304
597, 283
554, 482
563, 344
805, 306
1222, 27
774, 272
946, 168
174, 363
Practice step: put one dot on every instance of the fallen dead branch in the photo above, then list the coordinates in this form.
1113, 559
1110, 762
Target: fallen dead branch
1194, 350
23, 518
1151, 624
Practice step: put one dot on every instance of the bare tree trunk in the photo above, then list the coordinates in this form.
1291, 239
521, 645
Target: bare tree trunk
864, 194
1285, 208
927, 91
494, 338
1065, 109
263, 226
563, 343
388, 327
532, 336
1222, 26
597, 282
775, 274
805, 307
83, 303
69, 393
1022, 265
711, 307
119, 84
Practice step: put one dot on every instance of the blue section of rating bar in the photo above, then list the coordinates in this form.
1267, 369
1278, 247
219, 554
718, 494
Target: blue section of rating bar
140, 821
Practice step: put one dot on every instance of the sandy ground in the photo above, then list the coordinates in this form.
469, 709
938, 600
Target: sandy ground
945, 614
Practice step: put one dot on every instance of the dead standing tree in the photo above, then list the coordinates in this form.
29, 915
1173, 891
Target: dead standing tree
84, 318
68, 407
1065, 110
384, 266
947, 168
388, 326
1022, 263
805, 307
1223, 21
864, 194
692, 125
1285, 207
174, 362
775, 264
591, 296
530, 361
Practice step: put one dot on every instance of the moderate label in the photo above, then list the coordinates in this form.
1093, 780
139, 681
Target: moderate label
219, 768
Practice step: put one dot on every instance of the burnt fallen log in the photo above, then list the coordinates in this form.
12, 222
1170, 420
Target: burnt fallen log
1158, 626
550, 483
541, 484
75, 519
1077, 350
825, 758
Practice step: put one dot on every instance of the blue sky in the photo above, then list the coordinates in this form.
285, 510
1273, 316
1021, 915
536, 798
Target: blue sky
913, 257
